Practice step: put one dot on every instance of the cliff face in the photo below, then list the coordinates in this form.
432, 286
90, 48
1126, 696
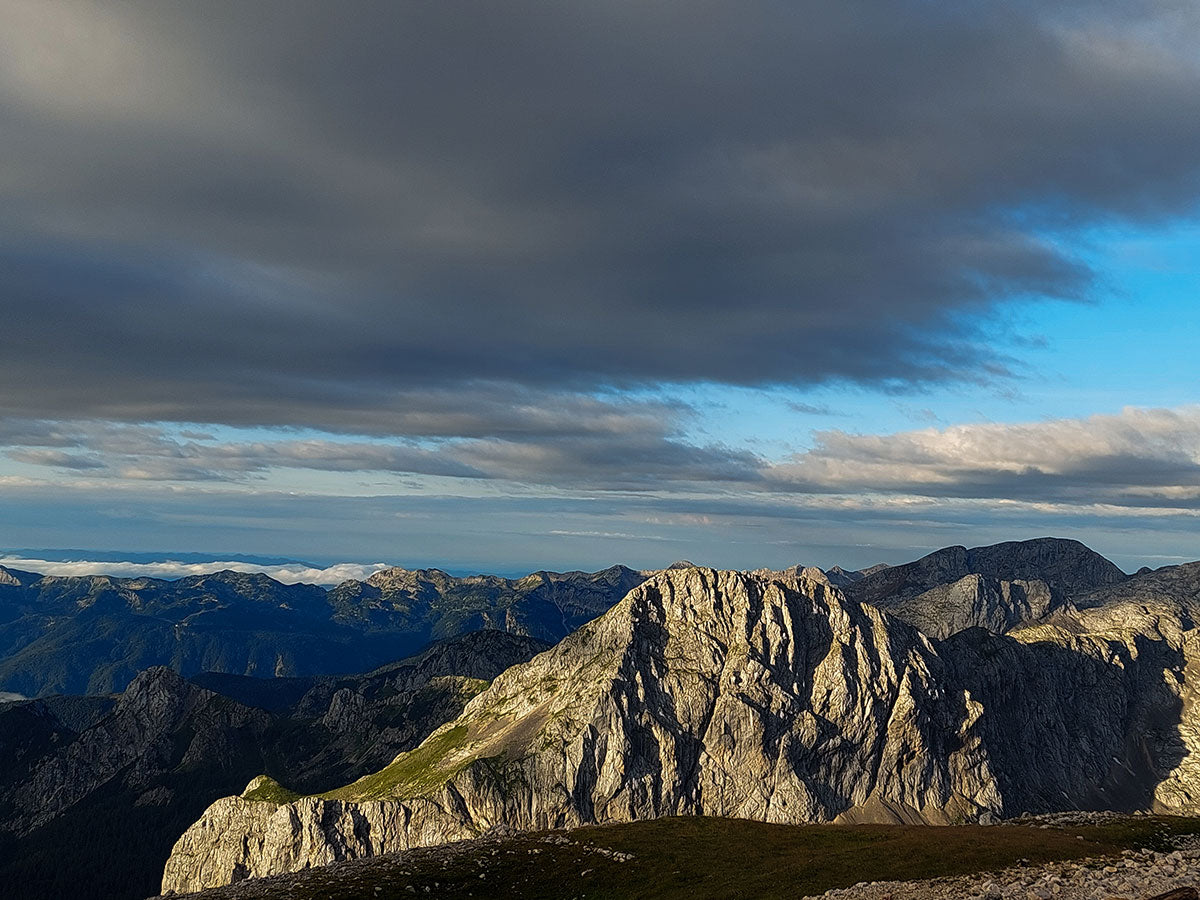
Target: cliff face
703, 692
974, 601
776, 698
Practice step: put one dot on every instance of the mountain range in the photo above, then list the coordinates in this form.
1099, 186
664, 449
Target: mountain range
782, 698
971, 685
94, 790
93, 634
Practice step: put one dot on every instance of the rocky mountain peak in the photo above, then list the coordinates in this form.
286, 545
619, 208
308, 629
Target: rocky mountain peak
1062, 563
385, 577
16, 578
842, 577
702, 692
1065, 566
158, 695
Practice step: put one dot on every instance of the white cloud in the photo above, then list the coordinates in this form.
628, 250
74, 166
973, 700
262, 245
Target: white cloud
289, 574
1139, 456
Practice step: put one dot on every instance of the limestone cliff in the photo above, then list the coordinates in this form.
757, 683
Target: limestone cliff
975, 601
702, 692
1065, 566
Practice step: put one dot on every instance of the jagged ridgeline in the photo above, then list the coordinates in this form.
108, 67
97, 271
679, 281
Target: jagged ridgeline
93, 634
775, 696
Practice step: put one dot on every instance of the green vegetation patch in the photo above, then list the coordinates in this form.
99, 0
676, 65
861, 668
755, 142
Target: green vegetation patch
410, 774
268, 790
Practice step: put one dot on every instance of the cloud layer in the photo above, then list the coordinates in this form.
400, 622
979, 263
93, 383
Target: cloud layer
279, 215
171, 570
1139, 459
263, 266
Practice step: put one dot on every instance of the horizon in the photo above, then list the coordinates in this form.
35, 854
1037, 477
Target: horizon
170, 566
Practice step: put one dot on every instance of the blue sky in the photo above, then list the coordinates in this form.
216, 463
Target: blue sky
752, 286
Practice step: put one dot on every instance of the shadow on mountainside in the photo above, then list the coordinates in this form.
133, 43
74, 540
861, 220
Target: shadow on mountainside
1066, 730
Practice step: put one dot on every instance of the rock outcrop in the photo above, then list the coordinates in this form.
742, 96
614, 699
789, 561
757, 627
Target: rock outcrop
1174, 589
703, 692
974, 601
1065, 566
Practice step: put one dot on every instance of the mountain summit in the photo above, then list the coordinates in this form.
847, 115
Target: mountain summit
769, 697
702, 692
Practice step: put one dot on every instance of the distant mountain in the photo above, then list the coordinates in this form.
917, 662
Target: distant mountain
1176, 588
1064, 566
997, 588
433, 604
839, 577
77, 635
975, 601
93, 790
91, 635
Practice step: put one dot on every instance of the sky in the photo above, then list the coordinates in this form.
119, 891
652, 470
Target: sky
500, 287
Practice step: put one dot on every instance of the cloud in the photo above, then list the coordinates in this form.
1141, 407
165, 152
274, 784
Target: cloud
56, 458
171, 570
589, 445
1137, 462
1137, 458
277, 216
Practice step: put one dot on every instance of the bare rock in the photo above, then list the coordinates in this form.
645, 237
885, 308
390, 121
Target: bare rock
703, 692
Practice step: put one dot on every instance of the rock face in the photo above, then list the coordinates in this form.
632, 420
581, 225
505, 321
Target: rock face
974, 601
1172, 588
703, 692
1065, 566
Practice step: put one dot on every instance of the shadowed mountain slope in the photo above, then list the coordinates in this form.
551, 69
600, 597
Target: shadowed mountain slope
90, 811
92, 634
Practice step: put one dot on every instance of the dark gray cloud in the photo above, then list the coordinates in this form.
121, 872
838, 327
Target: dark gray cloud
289, 214
626, 449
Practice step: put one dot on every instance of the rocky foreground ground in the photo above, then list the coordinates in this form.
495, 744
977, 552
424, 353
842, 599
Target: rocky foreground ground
414, 873
722, 860
1141, 874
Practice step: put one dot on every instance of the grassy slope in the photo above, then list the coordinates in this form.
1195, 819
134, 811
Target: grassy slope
696, 858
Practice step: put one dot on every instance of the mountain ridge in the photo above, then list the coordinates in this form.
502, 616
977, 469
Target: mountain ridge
93, 634
771, 698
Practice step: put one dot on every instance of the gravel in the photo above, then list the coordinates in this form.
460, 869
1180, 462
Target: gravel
1136, 875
